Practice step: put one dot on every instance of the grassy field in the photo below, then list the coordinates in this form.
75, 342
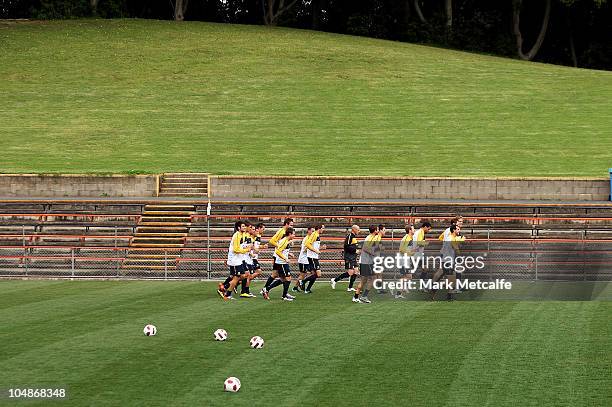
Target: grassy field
320, 350
155, 96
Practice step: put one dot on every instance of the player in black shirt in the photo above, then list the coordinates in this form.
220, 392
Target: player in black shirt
350, 259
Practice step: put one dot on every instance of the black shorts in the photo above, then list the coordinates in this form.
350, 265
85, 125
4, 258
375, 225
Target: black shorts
366, 270
276, 266
236, 270
304, 268
256, 265
283, 270
350, 261
313, 264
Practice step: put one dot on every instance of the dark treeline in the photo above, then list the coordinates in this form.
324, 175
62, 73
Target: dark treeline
566, 32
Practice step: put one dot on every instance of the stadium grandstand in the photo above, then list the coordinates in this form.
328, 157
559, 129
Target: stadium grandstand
162, 238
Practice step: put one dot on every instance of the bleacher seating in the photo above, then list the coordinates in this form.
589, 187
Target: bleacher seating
55, 238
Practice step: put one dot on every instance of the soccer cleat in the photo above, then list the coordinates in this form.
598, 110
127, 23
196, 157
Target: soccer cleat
287, 298
398, 296
290, 296
296, 289
350, 289
364, 300
333, 283
262, 291
251, 295
307, 292
356, 300
245, 295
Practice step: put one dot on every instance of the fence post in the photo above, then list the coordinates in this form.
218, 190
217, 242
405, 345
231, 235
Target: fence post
535, 253
165, 264
489, 252
584, 256
116, 253
72, 262
23, 235
25, 259
208, 210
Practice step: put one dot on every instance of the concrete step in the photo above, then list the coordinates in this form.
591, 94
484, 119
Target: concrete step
185, 174
162, 229
169, 207
183, 184
178, 218
189, 190
198, 195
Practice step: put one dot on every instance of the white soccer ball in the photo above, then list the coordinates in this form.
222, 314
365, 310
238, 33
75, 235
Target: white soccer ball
231, 384
257, 342
220, 335
150, 330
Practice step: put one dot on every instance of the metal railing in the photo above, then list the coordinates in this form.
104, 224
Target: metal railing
517, 259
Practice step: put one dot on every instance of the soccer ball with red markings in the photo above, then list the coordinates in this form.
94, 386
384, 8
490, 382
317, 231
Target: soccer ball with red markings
231, 384
220, 335
150, 330
257, 342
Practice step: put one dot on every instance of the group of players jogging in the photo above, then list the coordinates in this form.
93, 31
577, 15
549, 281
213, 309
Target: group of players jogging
246, 245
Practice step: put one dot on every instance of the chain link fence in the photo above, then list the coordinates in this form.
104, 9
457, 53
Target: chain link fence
205, 258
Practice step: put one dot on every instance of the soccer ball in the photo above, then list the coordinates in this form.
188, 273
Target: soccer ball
231, 384
220, 335
257, 342
150, 330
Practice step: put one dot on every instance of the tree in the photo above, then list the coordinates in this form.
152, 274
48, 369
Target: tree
448, 7
94, 6
180, 7
516, 13
273, 9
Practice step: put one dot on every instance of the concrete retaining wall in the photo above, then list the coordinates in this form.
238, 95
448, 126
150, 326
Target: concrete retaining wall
568, 189
229, 186
25, 185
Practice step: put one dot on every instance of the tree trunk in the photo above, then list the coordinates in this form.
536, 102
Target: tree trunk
180, 7
316, 14
273, 11
573, 49
94, 6
448, 5
571, 39
417, 8
516, 13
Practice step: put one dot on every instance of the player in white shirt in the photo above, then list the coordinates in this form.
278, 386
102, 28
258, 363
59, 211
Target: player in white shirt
313, 250
303, 265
